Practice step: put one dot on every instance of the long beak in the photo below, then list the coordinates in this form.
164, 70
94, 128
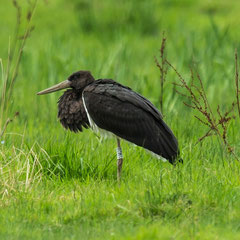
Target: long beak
57, 87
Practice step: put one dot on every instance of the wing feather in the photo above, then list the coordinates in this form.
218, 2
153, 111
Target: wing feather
130, 116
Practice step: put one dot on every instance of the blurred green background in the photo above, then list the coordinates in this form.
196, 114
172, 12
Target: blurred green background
119, 41
57, 184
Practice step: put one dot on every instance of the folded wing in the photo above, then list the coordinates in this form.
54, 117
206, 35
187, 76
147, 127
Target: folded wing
128, 115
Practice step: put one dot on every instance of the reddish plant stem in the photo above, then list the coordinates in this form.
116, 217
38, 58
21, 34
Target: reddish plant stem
237, 81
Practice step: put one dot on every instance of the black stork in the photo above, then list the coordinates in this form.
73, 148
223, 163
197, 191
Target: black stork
105, 105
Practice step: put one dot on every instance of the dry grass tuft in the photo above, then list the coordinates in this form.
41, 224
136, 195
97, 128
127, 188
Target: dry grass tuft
21, 169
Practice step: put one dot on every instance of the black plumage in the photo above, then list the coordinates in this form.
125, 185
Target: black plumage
71, 112
114, 108
118, 109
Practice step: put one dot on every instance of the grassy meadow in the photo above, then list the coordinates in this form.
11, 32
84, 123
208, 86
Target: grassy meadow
55, 184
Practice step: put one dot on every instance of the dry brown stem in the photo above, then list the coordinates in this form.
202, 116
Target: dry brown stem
7, 122
237, 81
162, 68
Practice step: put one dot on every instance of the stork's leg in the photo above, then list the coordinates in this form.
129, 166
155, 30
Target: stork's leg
119, 159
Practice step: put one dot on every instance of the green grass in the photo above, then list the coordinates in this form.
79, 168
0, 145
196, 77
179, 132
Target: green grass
56, 184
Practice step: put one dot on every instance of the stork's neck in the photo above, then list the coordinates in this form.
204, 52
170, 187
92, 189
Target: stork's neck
77, 92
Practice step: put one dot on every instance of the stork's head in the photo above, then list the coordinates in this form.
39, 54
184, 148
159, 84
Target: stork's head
77, 81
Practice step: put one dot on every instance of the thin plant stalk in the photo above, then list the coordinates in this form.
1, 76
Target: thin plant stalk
237, 81
162, 69
7, 83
